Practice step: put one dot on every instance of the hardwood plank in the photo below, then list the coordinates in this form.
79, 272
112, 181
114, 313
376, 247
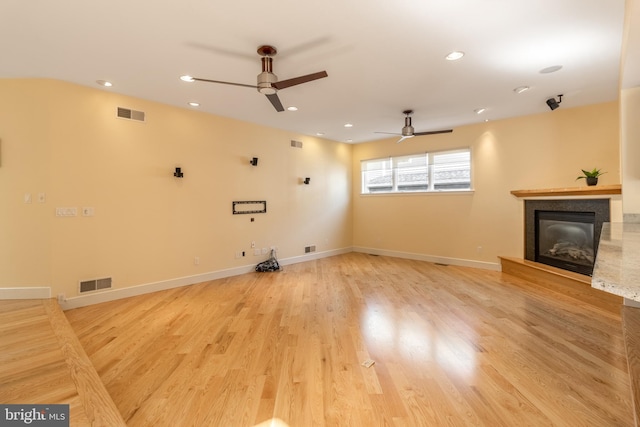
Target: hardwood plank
573, 285
42, 362
451, 345
631, 328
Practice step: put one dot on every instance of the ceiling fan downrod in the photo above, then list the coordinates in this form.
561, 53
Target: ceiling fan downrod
266, 78
407, 130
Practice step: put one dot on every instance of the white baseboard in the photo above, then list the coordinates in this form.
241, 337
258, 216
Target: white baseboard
314, 255
115, 294
147, 288
40, 292
430, 258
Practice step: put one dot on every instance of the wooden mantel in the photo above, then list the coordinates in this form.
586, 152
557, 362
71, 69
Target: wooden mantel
593, 190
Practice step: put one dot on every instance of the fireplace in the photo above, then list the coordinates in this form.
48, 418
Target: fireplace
565, 233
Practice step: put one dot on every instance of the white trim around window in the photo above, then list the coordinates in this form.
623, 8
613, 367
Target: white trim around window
418, 173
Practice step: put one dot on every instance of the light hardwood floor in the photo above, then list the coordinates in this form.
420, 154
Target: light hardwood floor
452, 346
42, 362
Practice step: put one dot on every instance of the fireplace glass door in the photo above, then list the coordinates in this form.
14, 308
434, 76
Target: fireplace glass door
566, 240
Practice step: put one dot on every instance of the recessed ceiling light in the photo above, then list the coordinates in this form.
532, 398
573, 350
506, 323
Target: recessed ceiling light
292, 108
348, 125
186, 79
551, 69
479, 110
319, 133
349, 140
521, 89
454, 56
194, 104
104, 83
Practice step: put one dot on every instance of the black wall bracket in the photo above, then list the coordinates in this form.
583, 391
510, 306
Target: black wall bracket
249, 207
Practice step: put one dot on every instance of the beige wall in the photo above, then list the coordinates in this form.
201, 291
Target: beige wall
65, 142
542, 151
630, 111
630, 142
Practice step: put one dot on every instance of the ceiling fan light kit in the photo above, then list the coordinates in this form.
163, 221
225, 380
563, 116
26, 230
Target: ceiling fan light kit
267, 81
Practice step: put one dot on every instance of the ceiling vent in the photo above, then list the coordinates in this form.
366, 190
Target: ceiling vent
296, 144
126, 113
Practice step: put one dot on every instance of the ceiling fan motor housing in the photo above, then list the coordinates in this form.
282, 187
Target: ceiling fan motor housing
265, 80
266, 77
407, 130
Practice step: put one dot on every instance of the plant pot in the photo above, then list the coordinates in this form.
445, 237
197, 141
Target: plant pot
592, 180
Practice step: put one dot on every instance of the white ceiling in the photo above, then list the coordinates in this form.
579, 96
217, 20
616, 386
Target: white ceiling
382, 57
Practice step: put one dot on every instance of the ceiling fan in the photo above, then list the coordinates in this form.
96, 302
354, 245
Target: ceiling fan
407, 130
268, 83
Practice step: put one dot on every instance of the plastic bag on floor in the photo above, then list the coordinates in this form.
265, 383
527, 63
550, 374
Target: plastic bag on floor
269, 265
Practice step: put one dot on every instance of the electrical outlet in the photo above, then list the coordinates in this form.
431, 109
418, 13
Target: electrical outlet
196, 261
66, 212
253, 244
265, 251
256, 251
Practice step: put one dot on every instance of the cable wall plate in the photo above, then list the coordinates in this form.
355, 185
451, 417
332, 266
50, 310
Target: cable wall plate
250, 207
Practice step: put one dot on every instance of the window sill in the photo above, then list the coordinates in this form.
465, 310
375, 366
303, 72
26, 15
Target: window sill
420, 193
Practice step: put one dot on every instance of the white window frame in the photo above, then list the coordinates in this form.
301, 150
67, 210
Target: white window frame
395, 187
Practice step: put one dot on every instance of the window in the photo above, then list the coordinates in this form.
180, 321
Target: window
439, 171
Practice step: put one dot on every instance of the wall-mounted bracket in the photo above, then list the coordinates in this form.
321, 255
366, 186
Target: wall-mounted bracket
250, 207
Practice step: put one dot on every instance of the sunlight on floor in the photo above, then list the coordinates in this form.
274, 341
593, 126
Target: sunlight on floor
419, 342
273, 422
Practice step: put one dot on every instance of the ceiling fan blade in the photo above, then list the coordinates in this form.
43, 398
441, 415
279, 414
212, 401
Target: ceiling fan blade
389, 133
275, 101
299, 80
403, 138
224, 83
434, 132
221, 51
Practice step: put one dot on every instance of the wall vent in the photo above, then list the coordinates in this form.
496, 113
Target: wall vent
296, 144
126, 113
95, 284
308, 249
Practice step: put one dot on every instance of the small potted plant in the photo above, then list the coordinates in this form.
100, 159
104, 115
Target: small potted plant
591, 176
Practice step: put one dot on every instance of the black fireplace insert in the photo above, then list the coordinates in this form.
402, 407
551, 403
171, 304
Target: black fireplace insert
565, 233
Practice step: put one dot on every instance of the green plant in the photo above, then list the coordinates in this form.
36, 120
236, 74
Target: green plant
590, 174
